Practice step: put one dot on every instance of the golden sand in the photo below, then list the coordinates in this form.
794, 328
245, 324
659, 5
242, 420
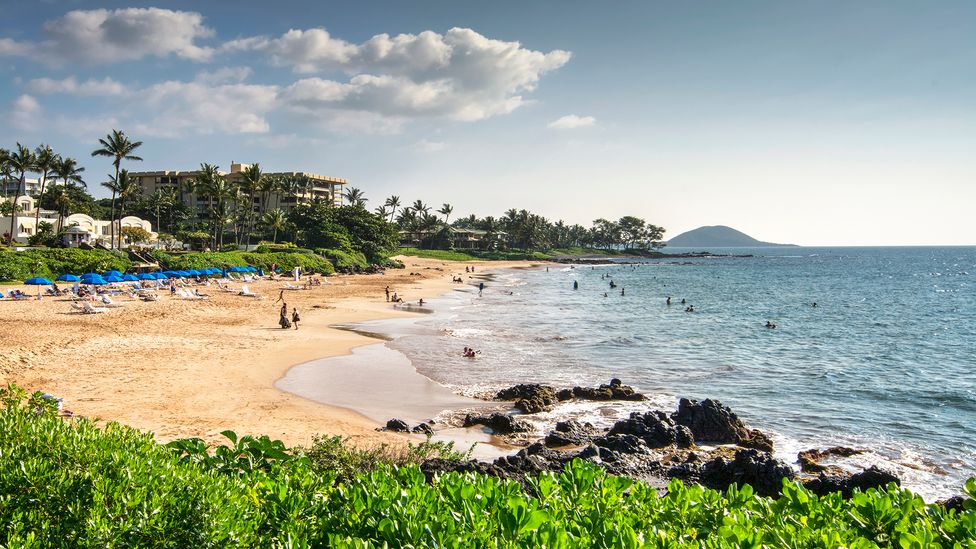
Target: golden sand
183, 368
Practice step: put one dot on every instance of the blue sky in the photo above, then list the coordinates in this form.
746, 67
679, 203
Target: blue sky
820, 123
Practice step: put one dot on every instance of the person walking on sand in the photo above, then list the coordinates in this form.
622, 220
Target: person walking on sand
294, 317
481, 287
387, 293
281, 296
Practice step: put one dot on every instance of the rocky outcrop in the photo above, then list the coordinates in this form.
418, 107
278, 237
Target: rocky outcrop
810, 459
423, 429
397, 426
758, 469
530, 398
500, 424
655, 428
438, 466
710, 421
569, 433
872, 477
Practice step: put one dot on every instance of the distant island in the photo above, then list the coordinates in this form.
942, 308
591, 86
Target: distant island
718, 236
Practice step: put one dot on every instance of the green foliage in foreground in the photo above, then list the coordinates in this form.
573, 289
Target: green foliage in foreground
70, 484
50, 263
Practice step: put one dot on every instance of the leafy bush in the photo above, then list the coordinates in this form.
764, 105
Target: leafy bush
285, 260
68, 483
51, 263
344, 261
333, 454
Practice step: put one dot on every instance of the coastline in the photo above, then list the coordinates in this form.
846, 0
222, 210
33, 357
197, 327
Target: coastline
195, 368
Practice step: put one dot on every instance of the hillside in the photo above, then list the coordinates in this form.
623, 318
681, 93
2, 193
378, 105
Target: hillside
717, 236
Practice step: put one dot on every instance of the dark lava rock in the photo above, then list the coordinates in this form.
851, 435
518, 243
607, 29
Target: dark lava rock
758, 469
710, 421
810, 459
564, 394
438, 466
501, 424
872, 477
593, 393
757, 440
398, 426
530, 398
424, 429
569, 433
533, 460
655, 428
622, 443
955, 503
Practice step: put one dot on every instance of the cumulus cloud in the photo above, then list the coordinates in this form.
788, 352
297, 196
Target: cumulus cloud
24, 113
183, 108
224, 75
70, 85
460, 75
572, 121
27, 115
107, 36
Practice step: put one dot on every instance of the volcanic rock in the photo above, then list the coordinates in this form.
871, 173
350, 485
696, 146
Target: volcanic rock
423, 428
569, 433
758, 469
530, 398
501, 424
872, 477
655, 428
397, 426
710, 421
810, 459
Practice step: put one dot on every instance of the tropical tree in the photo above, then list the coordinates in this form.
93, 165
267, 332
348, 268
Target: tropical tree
250, 184
46, 159
382, 211
446, 211
69, 172
118, 146
6, 175
160, 201
355, 196
209, 182
393, 203
276, 220
21, 161
122, 187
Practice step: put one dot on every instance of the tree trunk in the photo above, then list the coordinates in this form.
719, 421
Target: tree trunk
37, 207
13, 211
112, 222
275, 238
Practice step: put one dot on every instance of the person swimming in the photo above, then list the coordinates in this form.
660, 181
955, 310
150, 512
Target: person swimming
668, 301
770, 325
690, 309
621, 291
575, 285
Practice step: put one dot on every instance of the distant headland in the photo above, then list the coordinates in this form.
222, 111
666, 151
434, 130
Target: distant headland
718, 236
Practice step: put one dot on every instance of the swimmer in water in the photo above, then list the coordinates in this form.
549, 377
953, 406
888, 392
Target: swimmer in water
668, 300
575, 285
621, 291
770, 325
690, 309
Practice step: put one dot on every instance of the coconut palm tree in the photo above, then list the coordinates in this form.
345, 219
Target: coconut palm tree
420, 207
46, 160
382, 211
69, 172
249, 185
446, 211
393, 203
122, 187
118, 146
355, 197
210, 183
22, 160
276, 220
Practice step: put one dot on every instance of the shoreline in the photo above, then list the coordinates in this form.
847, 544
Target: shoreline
195, 368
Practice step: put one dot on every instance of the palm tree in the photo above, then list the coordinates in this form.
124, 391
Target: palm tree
355, 196
269, 185
420, 207
112, 185
46, 160
161, 200
69, 172
23, 161
393, 202
446, 211
382, 211
118, 146
275, 220
250, 184
209, 182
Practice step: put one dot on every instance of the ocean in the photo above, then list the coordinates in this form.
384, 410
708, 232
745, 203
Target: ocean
884, 362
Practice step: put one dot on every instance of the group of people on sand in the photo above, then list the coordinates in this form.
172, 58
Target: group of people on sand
283, 319
395, 298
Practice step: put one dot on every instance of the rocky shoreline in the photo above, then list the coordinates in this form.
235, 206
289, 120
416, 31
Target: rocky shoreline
702, 442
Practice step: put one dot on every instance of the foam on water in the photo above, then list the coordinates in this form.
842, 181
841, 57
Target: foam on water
884, 362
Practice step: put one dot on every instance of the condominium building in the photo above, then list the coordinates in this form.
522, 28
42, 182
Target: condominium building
300, 188
9, 187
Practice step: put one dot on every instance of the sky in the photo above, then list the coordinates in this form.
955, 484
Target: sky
815, 123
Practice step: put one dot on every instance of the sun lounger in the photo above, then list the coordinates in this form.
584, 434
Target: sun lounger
88, 309
107, 302
247, 293
293, 287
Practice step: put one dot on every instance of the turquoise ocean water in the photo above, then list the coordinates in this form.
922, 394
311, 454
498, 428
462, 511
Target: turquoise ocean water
884, 362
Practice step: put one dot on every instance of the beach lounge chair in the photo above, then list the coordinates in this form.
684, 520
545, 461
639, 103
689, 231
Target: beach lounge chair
87, 309
290, 286
247, 292
108, 302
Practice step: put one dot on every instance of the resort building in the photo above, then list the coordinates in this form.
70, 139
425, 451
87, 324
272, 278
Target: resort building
79, 228
295, 188
8, 187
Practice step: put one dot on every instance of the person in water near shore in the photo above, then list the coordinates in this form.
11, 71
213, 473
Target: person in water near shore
575, 285
682, 301
294, 317
481, 285
690, 309
470, 353
605, 294
668, 300
770, 325
814, 303
621, 291
421, 302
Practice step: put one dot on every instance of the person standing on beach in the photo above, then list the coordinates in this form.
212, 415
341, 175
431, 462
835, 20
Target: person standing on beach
294, 317
481, 286
387, 293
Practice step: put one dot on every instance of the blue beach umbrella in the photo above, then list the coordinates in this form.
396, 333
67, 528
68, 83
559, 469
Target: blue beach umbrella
111, 273
182, 273
93, 279
170, 273
146, 276
160, 276
130, 278
113, 278
38, 281
194, 272
68, 278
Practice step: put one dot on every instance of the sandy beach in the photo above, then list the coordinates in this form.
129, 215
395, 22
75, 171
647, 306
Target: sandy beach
184, 368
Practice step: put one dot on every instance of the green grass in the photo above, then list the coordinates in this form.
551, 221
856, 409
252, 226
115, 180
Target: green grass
71, 484
474, 255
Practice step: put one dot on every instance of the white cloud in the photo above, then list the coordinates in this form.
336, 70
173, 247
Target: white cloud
224, 75
572, 121
425, 146
183, 108
459, 75
107, 36
69, 85
24, 113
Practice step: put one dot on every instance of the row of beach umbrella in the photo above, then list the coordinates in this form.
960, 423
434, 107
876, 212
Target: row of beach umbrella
97, 279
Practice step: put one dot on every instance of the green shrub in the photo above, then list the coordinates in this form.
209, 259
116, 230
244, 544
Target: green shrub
53, 262
285, 260
68, 483
345, 261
